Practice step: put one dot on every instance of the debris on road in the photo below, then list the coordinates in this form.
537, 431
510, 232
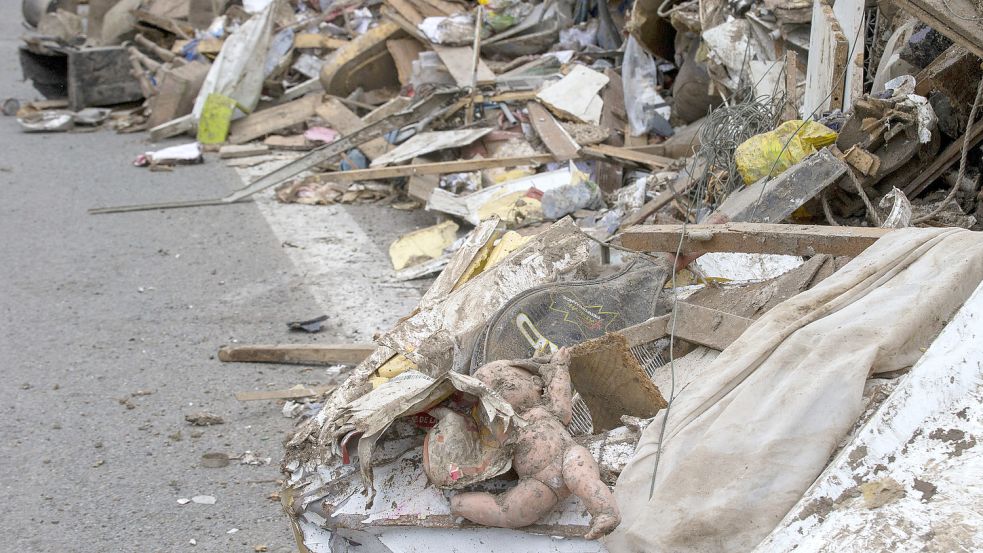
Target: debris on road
675, 242
311, 326
204, 418
214, 460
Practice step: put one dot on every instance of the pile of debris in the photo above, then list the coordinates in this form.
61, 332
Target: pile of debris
535, 111
757, 144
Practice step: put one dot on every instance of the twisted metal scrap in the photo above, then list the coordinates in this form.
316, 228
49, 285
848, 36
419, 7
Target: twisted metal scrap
724, 130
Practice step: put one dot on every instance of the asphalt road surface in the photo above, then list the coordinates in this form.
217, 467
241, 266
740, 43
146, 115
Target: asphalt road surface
108, 333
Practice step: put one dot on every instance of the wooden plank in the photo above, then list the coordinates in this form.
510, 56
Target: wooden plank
232, 151
407, 10
297, 392
959, 20
174, 127
440, 168
420, 187
772, 200
294, 143
458, 60
318, 40
261, 123
850, 16
696, 324
556, 139
613, 114
297, 354
442, 7
943, 161
828, 51
791, 109
753, 238
340, 118
626, 154
611, 175
404, 52
176, 92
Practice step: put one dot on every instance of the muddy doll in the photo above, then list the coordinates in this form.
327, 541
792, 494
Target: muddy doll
550, 464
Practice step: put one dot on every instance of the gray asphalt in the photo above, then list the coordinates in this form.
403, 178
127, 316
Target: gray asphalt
96, 309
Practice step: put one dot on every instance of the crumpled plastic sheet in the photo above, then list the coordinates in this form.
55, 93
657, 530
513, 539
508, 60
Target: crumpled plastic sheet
238, 70
643, 103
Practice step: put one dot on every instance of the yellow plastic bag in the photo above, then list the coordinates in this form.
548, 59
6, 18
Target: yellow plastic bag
756, 156
216, 116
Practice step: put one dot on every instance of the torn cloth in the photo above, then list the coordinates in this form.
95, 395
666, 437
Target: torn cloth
743, 444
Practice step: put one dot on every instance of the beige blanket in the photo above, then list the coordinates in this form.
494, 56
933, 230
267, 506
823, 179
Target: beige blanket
744, 443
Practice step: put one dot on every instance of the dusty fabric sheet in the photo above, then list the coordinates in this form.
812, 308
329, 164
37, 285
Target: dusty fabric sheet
744, 443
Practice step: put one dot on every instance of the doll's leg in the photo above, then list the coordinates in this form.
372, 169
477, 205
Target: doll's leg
521, 506
582, 478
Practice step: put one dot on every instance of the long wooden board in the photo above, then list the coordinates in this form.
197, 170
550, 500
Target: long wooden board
828, 53
556, 139
604, 151
344, 120
297, 354
440, 168
753, 238
261, 123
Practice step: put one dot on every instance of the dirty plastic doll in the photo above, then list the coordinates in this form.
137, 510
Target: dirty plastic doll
549, 463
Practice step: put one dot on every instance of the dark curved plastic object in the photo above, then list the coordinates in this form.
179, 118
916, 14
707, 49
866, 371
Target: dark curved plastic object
548, 317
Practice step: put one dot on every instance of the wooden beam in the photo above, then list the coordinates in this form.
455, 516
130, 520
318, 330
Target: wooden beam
604, 151
825, 70
556, 139
440, 168
261, 123
336, 114
296, 392
956, 19
696, 324
753, 238
297, 354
